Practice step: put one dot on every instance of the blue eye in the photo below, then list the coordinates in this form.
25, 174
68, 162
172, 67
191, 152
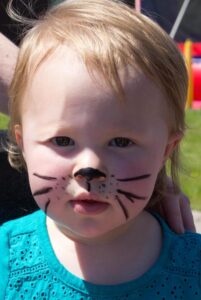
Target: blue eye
120, 142
62, 141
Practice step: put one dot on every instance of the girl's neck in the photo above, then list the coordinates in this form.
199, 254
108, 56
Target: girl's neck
110, 261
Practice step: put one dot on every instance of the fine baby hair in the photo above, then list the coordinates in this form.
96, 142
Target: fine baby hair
108, 36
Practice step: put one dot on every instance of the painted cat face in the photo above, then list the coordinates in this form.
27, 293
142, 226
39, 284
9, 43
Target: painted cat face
92, 161
89, 174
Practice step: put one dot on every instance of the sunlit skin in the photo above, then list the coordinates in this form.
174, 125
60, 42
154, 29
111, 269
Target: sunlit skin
92, 162
70, 122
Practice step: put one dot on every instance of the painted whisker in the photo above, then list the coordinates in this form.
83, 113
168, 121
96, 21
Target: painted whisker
44, 177
125, 211
130, 196
135, 178
46, 206
88, 186
42, 191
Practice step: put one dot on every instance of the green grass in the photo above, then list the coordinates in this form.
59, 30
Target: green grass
191, 157
3, 121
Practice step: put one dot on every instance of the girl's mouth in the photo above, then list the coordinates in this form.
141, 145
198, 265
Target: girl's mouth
88, 206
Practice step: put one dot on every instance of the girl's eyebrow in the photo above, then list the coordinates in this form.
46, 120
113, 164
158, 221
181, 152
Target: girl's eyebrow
52, 129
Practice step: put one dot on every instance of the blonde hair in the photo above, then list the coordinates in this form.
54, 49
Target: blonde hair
107, 35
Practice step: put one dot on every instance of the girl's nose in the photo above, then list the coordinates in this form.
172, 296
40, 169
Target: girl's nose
90, 174
89, 165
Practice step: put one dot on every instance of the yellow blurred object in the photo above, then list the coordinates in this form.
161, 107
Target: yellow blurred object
188, 59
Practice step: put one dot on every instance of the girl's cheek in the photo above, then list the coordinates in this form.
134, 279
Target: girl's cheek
45, 186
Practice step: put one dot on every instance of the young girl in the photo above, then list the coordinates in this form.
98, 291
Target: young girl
97, 108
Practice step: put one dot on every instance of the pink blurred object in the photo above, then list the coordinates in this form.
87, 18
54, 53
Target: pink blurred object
196, 67
196, 105
138, 5
196, 73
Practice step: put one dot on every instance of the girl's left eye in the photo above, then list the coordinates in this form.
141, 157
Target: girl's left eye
62, 141
120, 142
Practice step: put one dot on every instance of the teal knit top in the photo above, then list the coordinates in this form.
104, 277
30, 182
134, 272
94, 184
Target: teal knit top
30, 270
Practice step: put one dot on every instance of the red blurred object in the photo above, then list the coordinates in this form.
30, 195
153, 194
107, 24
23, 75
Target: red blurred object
196, 70
197, 79
196, 49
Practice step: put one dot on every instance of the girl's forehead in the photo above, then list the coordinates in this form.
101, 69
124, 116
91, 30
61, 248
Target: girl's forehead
66, 61
63, 79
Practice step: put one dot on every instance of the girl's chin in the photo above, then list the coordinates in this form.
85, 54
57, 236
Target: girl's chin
93, 233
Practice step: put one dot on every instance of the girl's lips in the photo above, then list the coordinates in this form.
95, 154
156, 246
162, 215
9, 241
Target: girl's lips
88, 206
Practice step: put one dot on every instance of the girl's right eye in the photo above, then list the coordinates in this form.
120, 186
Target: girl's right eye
62, 141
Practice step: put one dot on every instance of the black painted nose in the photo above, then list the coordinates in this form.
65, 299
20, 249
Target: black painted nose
89, 174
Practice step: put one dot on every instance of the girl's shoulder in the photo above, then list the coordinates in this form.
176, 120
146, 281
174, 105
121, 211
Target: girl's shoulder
17, 234
21, 225
20, 249
182, 251
188, 238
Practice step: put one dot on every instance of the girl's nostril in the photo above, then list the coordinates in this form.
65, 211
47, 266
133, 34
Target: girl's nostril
89, 174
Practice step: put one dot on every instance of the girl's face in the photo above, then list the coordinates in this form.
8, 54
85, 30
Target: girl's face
92, 160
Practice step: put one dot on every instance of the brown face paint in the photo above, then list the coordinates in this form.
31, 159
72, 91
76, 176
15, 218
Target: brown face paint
46, 206
42, 191
130, 196
89, 174
125, 211
44, 177
88, 186
135, 178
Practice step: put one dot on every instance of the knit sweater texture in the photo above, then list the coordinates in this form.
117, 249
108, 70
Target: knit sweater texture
30, 270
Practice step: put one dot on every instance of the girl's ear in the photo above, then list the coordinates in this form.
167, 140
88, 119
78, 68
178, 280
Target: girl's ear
173, 141
18, 136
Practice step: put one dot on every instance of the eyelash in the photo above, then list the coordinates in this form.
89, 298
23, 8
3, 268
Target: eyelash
121, 142
64, 141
